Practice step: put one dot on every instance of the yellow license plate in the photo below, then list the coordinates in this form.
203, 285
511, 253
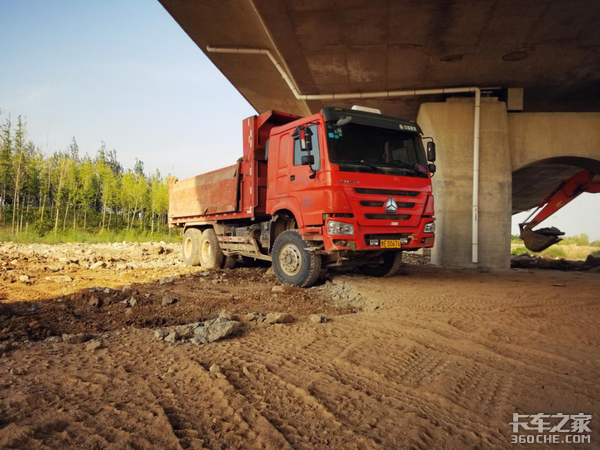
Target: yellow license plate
387, 243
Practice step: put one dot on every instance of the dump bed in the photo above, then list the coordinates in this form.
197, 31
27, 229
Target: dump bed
211, 193
234, 192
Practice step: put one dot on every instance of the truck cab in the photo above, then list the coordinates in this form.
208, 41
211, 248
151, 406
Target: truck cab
340, 187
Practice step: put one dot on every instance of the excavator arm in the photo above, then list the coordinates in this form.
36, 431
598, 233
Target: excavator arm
565, 193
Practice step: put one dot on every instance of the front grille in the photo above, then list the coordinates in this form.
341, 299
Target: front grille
386, 192
377, 204
370, 203
388, 216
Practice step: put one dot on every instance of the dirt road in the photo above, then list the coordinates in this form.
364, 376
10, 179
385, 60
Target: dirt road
432, 358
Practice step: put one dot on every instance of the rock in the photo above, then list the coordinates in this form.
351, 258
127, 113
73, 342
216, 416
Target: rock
60, 278
186, 331
204, 273
6, 347
95, 301
270, 271
483, 269
277, 289
167, 300
53, 339
98, 265
279, 318
215, 331
250, 317
166, 280
318, 318
226, 315
172, 337
24, 278
94, 345
201, 335
76, 338
132, 302
214, 369
160, 335
126, 288
121, 266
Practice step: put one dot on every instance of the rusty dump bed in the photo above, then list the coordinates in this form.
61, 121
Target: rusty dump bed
211, 193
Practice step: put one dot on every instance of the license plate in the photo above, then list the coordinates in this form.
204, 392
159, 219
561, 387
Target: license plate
387, 243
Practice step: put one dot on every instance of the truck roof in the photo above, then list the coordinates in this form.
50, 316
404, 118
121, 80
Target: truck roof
371, 119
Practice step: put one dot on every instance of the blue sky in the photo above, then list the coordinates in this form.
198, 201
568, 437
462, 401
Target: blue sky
124, 72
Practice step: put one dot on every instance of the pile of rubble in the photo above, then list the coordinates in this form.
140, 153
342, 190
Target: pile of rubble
19, 261
224, 326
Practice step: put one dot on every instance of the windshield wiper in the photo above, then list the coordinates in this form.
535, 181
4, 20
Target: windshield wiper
411, 167
364, 163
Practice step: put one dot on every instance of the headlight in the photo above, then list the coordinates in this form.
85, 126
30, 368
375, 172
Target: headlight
336, 228
429, 227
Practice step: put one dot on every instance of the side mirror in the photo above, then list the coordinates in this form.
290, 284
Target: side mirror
308, 138
297, 135
430, 166
308, 160
431, 151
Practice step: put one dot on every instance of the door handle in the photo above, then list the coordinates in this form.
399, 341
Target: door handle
292, 177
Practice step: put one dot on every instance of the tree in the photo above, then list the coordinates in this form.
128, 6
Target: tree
66, 190
18, 157
5, 164
89, 187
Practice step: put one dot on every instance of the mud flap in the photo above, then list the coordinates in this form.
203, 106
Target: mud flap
541, 239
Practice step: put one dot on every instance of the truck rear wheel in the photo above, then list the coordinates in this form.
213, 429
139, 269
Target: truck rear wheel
211, 255
292, 262
390, 265
190, 249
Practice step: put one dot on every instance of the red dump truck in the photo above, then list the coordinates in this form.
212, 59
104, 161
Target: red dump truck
340, 187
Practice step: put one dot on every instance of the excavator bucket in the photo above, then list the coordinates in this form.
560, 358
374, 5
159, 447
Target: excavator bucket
541, 239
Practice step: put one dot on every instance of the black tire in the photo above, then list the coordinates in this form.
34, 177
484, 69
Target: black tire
292, 262
190, 248
210, 252
388, 268
229, 262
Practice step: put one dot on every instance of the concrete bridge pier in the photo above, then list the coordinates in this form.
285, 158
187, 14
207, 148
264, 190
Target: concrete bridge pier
450, 123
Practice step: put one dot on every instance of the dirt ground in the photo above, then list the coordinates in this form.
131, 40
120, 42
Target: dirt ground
431, 358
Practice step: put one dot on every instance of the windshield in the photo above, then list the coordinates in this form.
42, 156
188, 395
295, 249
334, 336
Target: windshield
362, 148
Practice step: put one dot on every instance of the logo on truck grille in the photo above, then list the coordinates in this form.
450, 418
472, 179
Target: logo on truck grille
390, 206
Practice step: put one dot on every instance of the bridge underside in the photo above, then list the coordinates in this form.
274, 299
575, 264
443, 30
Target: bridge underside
551, 48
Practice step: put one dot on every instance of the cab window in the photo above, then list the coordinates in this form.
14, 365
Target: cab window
298, 153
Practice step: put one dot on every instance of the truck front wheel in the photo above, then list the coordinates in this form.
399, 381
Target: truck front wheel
190, 250
390, 265
211, 255
292, 262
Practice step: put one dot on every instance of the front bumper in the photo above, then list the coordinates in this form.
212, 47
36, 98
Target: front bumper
364, 235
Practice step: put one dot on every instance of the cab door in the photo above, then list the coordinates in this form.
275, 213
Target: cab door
304, 186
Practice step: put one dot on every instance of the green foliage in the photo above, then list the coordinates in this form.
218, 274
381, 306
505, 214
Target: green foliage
555, 252
520, 251
74, 197
105, 236
515, 239
581, 239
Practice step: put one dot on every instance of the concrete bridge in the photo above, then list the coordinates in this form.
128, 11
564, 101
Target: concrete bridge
532, 122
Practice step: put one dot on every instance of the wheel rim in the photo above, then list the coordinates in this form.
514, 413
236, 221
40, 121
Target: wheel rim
206, 250
290, 260
187, 247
